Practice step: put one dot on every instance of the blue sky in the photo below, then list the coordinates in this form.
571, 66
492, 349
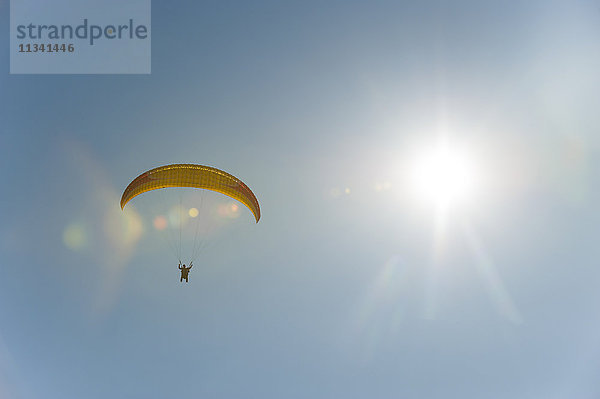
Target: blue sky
348, 287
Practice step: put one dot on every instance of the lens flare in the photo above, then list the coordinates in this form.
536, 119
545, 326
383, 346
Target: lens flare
177, 217
228, 211
382, 186
160, 222
193, 212
335, 192
75, 237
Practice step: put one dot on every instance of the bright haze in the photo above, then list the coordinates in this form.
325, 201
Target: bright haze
428, 180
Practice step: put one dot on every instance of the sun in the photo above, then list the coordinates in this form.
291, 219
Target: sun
443, 175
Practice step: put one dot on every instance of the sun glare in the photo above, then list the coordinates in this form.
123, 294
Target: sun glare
443, 175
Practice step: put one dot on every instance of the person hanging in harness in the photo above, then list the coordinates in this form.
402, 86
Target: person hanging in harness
185, 271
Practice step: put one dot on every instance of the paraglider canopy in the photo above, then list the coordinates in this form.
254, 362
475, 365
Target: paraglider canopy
191, 175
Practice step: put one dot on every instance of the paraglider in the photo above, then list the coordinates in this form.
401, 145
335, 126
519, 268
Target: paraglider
193, 176
185, 271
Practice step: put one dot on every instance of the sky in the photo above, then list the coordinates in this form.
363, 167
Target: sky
352, 285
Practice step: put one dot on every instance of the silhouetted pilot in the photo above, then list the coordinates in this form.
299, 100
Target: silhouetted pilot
184, 272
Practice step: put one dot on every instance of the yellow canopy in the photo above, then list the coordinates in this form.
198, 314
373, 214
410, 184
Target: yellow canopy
190, 175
